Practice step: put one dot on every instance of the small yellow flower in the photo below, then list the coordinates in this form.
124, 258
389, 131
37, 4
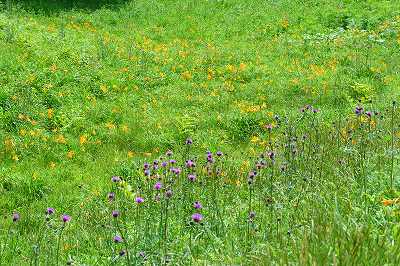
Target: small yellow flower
22, 132
130, 154
125, 128
285, 23
186, 75
104, 88
34, 176
53, 68
9, 143
52, 165
67, 246
82, 139
388, 202
60, 139
70, 154
210, 74
238, 182
254, 139
317, 70
15, 157
50, 113
110, 125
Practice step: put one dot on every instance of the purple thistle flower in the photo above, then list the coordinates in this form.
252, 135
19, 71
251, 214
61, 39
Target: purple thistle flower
139, 200
197, 205
268, 127
190, 163
252, 174
146, 165
197, 217
316, 111
192, 177
15, 217
158, 186
252, 215
189, 141
359, 110
117, 239
142, 254
111, 196
218, 171
176, 171
169, 153
115, 213
157, 198
172, 161
219, 153
369, 114
155, 164
147, 172
271, 155
65, 218
168, 194
50, 211
259, 165
164, 164
115, 179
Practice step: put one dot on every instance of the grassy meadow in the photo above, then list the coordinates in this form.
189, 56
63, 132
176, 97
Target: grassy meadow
199, 132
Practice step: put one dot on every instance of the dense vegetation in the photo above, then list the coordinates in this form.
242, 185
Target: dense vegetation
299, 99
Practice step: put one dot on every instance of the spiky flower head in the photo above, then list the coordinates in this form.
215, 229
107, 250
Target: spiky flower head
115, 179
139, 200
50, 211
197, 205
192, 177
158, 186
117, 239
15, 217
65, 218
197, 217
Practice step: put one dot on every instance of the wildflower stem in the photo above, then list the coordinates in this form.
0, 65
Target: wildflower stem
59, 243
392, 145
165, 230
248, 213
123, 235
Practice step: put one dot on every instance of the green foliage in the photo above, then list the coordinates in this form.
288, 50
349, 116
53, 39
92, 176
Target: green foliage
91, 89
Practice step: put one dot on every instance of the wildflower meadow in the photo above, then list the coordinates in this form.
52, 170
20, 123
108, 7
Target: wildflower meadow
199, 132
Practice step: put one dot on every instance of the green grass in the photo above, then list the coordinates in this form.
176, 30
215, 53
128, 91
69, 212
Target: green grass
91, 89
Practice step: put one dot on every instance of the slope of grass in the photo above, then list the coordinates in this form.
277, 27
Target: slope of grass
90, 89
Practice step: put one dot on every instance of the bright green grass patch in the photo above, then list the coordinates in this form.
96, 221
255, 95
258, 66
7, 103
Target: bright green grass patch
87, 88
